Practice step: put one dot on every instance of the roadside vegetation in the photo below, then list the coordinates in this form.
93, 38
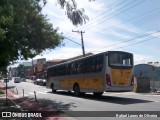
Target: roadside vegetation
25, 32
1, 92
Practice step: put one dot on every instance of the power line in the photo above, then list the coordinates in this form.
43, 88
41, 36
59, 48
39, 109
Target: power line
129, 8
153, 27
116, 14
134, 43
144, 35
137, 42
139, 16
72, 41
109, 14
104, 13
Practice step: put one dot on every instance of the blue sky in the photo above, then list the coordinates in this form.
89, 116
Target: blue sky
112, 22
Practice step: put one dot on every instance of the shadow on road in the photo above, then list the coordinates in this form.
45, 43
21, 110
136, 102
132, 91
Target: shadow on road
109, 99
42, 104
51, 104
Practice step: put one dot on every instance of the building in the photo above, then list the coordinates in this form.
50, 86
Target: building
151, 70
23, 70
14, 72
40, 70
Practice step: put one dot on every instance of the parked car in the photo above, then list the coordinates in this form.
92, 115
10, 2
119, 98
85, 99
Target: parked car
33, 78
40, 81
17, 80
23, 79
6, 80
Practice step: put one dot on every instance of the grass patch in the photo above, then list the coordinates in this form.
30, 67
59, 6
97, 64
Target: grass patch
1, 91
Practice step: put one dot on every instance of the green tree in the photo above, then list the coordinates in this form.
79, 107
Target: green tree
24, 31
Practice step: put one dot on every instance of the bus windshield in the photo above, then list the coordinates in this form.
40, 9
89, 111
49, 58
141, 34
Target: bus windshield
120, 59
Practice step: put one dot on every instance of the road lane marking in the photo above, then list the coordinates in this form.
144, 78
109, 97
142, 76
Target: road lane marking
42, 92
37, 93
48, 91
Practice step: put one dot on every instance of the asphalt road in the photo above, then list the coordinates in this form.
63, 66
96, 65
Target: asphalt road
67, 102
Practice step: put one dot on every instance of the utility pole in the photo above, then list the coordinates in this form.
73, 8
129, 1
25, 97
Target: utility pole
82, 41
32, 68
6, 80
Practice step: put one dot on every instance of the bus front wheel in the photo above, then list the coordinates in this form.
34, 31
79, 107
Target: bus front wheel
76, 90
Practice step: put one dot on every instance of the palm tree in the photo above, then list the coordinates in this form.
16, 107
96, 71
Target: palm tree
76, 16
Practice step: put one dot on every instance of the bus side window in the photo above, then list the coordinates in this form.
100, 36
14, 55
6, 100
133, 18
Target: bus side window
87, 65
59, 71
66, 70
54, 71
99, 63
93, 65
62, 70
80, 66
73, 68
49, 73
69, 69
83, 66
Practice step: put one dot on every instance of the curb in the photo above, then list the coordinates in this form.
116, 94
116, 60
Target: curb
9, 97
35, 106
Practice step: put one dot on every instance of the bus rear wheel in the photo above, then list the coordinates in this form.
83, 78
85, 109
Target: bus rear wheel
76, 90
98, 93
53, 90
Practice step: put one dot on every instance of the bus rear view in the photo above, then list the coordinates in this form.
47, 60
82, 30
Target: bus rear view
119, 71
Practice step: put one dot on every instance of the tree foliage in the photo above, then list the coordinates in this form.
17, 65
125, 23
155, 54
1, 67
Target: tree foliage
76, 16
24, 31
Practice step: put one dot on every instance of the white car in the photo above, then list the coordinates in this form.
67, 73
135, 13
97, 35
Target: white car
17, 80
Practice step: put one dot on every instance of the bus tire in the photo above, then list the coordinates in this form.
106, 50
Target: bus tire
76, 90
52, 87
69, 91
82, 93
97, 93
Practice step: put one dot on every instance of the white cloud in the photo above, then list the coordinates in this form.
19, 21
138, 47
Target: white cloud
96, 36
140, 58
119, 35
155, 33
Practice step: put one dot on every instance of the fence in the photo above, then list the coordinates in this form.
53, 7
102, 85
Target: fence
142, 84
155, 86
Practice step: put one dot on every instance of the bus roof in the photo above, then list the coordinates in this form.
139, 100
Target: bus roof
66, 62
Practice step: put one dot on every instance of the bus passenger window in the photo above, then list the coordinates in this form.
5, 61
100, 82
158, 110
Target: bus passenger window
93, 65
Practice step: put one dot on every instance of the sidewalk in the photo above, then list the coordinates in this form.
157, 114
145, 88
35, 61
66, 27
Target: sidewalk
26, 104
